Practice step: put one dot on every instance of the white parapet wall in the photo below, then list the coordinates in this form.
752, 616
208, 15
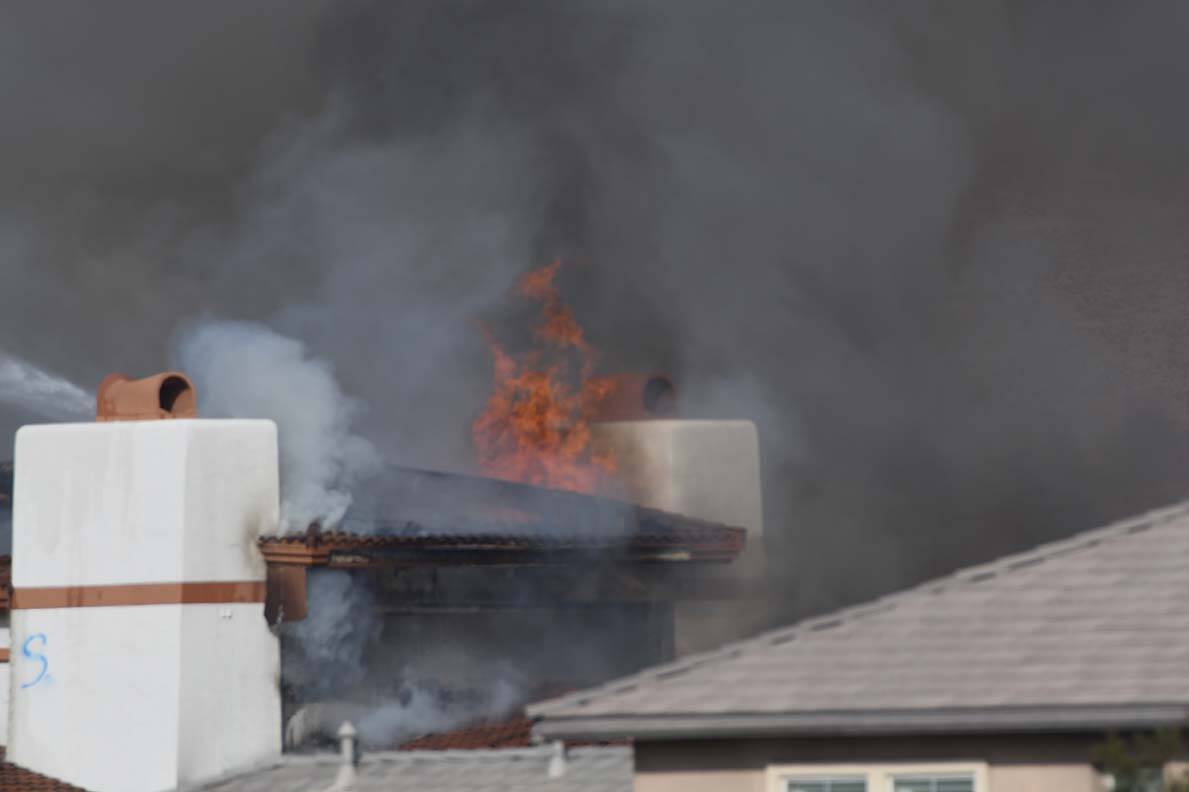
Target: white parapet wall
709, 470
141, 660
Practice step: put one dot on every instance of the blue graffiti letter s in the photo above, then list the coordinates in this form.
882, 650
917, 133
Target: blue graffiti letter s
45, 664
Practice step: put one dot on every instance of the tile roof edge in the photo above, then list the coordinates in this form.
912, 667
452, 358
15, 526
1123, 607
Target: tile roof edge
569, 705
454, 753
969, 720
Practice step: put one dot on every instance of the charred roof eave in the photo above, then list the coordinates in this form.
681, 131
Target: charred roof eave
345, 550
449, 518
460, 521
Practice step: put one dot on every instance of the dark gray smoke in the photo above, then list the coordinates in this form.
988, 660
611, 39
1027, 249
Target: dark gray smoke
935, 250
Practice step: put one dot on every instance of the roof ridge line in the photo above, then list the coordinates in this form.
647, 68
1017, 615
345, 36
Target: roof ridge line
544, 749
849, 614
453, 753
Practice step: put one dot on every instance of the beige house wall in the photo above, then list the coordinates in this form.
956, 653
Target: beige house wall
1029, 763
1001, 778
1176, 771
701, 781
1043, 778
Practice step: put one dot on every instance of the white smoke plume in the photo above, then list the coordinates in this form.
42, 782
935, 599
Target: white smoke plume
28, 387
246, 370
416, 711
333, 638
422, 712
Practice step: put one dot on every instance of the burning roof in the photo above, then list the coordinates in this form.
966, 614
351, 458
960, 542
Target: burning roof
424, 518
420, 517
452, 517
672, 542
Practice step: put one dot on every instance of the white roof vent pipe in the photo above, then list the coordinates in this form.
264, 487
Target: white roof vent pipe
345, 780
557, 762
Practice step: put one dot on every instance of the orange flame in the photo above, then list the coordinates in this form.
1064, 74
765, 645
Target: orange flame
535, 428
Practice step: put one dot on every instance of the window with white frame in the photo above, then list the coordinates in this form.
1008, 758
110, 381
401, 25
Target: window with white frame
934, 783
948, 777
826, 784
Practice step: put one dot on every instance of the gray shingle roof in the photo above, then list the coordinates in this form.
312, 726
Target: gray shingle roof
1090, 632
607, 769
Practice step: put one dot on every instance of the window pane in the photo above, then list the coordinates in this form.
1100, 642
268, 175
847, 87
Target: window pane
828, 785
914, 785
955, 785
935, 784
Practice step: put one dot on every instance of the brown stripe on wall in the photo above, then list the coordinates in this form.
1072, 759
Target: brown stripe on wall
138, 594
4, 655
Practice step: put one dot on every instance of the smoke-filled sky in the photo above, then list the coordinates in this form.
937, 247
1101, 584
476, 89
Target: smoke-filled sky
936, 250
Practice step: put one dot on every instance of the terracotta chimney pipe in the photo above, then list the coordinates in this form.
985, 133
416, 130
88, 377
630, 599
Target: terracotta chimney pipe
166, 395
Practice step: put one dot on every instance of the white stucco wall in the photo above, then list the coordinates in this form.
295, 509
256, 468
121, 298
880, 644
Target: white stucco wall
144, 697
709, 470
230, 711
96, 695
149, 501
